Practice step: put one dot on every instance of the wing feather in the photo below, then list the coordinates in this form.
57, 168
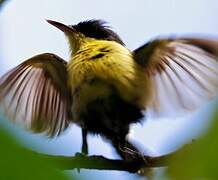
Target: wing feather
35, 94
184, 73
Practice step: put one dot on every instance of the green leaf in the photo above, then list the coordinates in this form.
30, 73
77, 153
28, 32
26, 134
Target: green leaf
18, 163
200, 161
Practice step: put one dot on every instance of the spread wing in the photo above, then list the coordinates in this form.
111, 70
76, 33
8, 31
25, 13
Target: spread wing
184, 72
35, 94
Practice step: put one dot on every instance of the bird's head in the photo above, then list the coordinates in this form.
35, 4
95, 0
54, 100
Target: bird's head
91, 29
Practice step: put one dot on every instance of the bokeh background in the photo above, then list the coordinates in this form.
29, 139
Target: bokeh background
24, 33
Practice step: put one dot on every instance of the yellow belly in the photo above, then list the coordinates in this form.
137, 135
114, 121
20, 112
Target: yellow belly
112, 66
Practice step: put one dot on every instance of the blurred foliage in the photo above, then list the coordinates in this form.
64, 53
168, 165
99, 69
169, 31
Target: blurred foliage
2, 3
18, 163
200, 160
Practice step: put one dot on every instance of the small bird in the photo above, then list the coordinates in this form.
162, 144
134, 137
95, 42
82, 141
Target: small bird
105, 87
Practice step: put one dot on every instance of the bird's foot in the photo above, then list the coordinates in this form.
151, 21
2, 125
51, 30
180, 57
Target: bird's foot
135, 155
137, 159
79, 155
141, 163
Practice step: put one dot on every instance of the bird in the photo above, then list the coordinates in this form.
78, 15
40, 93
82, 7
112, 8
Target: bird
105, 87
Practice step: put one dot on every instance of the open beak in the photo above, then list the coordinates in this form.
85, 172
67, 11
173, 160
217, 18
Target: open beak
62, 27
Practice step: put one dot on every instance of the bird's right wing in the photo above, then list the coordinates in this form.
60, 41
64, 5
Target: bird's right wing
184, 73
36, 94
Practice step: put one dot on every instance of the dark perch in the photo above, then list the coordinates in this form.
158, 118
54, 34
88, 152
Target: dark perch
103, 163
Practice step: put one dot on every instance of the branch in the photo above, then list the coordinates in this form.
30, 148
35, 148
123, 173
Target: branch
103, 163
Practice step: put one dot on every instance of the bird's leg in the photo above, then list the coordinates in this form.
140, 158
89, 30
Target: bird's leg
84, 142
84, 149
129, 152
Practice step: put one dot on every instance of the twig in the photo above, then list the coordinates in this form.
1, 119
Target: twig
103, 163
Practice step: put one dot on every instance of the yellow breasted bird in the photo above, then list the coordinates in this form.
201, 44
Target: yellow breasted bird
105, 87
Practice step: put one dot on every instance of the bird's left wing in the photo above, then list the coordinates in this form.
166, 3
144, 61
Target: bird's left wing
35, 94
184, 72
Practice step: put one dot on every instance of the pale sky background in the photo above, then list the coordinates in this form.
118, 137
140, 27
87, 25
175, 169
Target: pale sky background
24, 33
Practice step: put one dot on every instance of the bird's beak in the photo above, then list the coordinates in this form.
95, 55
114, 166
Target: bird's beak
65, 28
71, 33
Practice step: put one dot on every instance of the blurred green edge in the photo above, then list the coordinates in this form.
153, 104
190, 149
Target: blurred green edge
18, 163
200, 160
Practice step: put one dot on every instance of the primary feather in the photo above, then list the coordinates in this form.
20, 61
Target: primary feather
185, 69
35, 94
